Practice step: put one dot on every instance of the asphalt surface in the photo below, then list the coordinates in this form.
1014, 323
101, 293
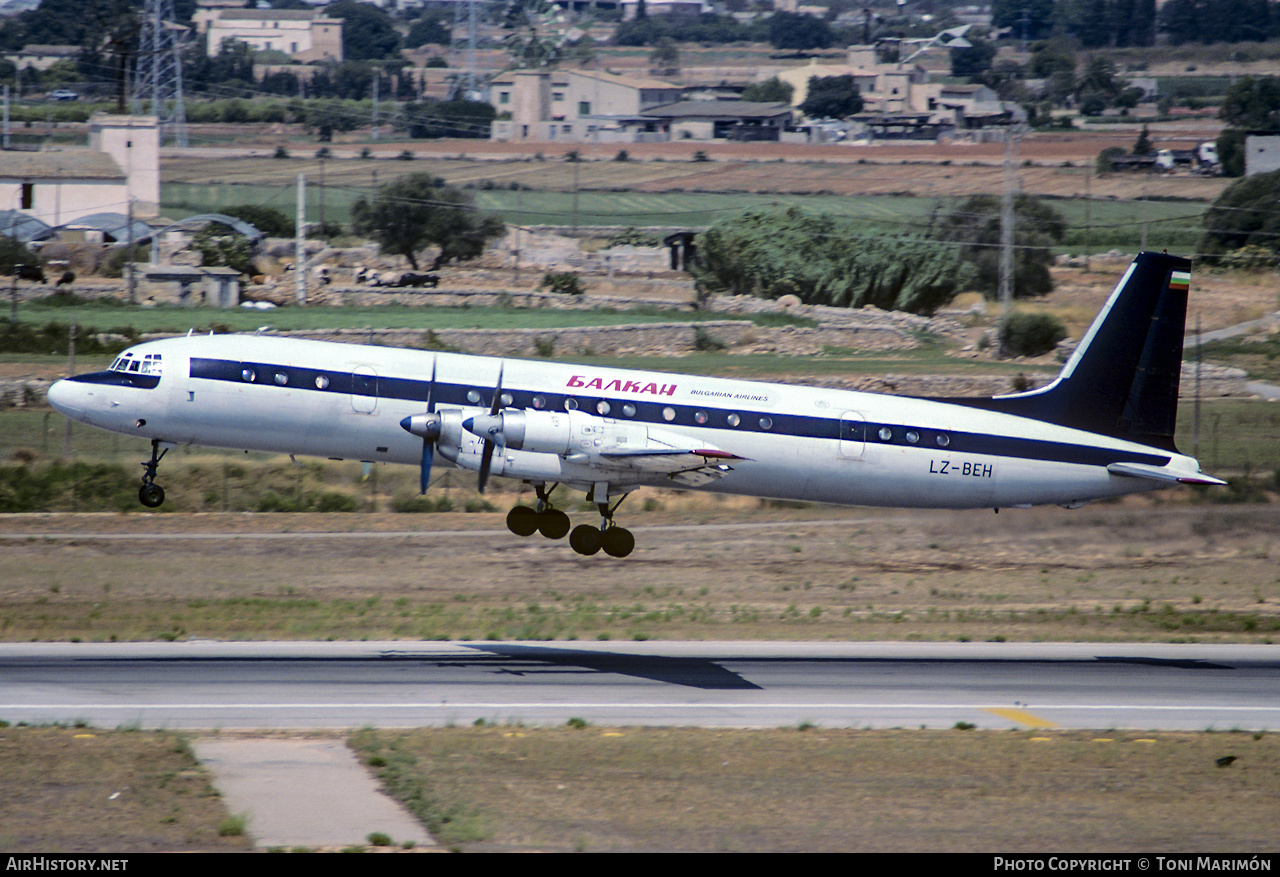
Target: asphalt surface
884, 685
312, 793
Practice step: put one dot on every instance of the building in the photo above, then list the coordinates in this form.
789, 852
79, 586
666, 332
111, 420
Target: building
574, 105
41, 58
302, 34
1261, 154
60, 186
722, 120
664, 7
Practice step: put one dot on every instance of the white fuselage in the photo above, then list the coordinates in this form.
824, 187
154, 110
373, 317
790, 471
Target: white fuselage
789, 442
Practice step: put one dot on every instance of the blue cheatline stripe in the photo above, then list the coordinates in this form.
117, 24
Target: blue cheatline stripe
118, 379
461, 395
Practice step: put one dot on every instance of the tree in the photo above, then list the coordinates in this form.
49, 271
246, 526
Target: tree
1230, 145
450, 118
975, 226
664, 60
801, 33
417, 211
368, 33
1246, 214
15, 252
429, 28
974, 61
533, 38
1027, 19
1143, 145
269, 220
825, 259
832, 97
219, 245
769, 92
1253, 104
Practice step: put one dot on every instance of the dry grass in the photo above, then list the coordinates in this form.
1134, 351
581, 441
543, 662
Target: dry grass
820, 790
81, 790
705, 567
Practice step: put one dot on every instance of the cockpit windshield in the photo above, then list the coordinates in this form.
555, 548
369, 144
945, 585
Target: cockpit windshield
131, 363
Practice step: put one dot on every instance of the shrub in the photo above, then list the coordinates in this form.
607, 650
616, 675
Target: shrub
825, 260
1030, 334
564, 282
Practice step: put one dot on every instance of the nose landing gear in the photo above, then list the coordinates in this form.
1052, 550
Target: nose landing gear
151, 494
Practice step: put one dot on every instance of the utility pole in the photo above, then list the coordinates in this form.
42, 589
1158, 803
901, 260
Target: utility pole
1006, 225
158, 74
299, 244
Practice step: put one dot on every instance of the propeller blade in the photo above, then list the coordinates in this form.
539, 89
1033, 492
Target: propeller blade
497, 393
424, 467
487, 460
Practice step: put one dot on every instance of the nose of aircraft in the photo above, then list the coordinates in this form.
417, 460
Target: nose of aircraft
67, 398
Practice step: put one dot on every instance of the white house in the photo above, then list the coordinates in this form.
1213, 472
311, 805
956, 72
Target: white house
59, 186
302, 34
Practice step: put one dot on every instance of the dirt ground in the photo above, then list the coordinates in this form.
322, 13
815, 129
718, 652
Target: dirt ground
705, 567
1050, 163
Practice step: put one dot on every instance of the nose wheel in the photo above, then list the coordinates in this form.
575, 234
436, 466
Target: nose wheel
151, 494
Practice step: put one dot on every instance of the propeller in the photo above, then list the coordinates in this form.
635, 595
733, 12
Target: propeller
428, 426
487, 459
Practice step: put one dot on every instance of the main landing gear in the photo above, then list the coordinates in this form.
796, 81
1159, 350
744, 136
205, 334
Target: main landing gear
552, 523
585, 539
151, 494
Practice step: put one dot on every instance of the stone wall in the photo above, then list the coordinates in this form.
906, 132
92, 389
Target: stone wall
637, 339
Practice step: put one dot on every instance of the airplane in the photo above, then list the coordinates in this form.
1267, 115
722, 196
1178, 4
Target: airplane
1103, 428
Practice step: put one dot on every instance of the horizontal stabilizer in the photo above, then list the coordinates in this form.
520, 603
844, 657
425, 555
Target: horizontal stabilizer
1159, 473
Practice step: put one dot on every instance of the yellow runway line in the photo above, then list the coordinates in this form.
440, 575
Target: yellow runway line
1021, 717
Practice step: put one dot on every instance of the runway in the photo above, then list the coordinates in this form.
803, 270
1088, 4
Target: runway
743, 684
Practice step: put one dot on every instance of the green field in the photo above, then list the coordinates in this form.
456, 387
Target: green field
1111, 224
177, 320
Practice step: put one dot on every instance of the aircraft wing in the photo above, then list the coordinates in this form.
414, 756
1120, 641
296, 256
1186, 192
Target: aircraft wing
1159, 473
693, 467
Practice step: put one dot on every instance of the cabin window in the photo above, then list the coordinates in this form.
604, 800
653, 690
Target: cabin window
912, 436
733, 419
602, 407
322, 382
668, 413
885, 433
629, 410
766, 423
539, 402
700, 416
282, 378
473, 396
248, 375
506, 399
570, 404
943, 440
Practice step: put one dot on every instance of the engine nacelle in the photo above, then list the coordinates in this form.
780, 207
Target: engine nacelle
557, 432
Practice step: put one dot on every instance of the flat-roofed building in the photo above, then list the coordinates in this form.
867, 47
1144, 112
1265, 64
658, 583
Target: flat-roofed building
302, 34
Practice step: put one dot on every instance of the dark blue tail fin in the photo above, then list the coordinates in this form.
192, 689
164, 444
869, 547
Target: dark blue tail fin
1122, 380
